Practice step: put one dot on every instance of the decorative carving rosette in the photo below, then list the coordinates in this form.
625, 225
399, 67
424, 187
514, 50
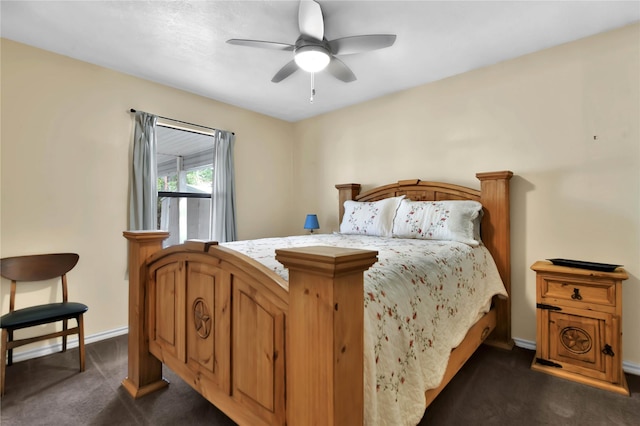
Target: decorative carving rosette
576, 340
201, 318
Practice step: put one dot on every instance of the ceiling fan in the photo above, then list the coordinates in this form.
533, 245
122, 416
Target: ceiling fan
313, 52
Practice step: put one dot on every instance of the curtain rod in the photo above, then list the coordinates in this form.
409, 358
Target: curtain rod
180, 121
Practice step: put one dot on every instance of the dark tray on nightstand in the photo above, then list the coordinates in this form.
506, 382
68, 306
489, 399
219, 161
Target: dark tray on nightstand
594, 266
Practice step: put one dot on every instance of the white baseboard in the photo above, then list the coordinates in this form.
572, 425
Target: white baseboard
72, 342
525, 344
628, 367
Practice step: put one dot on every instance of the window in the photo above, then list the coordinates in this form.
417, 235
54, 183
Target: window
185, 172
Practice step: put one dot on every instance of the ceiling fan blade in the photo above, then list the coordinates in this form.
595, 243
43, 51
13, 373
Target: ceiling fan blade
359, 44
262, 44
285, 72
310, 19
339, 70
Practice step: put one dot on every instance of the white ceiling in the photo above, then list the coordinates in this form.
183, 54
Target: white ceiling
182, 43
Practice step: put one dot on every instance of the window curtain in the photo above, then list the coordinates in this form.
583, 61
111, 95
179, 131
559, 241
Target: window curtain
143, 184
223, 196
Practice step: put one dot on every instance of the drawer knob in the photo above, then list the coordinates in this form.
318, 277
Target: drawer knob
576, 294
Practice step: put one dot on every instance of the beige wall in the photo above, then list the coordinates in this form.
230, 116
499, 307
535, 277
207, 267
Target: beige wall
572, 196
66, 134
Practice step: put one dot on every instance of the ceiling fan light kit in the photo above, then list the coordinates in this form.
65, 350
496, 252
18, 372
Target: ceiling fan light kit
312, 58
313, 52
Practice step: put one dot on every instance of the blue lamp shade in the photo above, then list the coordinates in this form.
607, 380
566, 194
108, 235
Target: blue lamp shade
311, 222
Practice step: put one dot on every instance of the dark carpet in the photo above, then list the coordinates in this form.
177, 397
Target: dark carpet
494, 388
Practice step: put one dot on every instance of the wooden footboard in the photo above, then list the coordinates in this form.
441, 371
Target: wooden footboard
225, 324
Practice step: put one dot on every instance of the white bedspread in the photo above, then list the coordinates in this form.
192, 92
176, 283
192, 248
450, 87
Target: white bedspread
420, 299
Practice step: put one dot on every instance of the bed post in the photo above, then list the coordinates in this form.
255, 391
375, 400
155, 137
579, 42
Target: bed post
325, 334
144, 370
494, 188
346, 191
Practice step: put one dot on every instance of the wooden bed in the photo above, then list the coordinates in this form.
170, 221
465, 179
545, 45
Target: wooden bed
265, 352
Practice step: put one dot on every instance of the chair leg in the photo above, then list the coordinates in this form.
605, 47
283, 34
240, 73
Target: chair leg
10, 339
3, 359
64, 338
81, 341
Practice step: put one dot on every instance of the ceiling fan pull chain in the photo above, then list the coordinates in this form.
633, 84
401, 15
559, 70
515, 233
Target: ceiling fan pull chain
313, 87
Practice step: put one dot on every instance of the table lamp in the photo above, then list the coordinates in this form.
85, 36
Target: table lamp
311, 223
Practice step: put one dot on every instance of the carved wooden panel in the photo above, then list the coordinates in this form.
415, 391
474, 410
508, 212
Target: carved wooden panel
166, 322
415, 195
207, 322
578, 340
258, 353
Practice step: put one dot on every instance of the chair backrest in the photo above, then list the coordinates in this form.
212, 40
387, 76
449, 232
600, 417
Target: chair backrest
37, 267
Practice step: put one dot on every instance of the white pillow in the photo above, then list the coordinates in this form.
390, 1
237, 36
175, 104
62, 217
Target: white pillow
454, 220
370, 217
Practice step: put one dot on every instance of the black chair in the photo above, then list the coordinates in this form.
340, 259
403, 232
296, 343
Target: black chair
25, 269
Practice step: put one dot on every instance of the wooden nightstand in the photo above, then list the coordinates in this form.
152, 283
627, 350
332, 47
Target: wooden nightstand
579, 325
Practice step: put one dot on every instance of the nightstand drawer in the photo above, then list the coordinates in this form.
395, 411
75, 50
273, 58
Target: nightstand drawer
600, 293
